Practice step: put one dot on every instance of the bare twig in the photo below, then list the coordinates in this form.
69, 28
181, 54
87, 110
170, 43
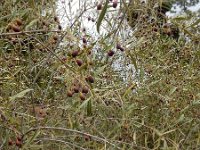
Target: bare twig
31, 31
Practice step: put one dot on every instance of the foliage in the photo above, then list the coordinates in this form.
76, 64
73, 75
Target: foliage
121, 88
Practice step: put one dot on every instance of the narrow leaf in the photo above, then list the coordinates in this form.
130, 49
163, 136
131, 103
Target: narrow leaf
83, 105
172, 90
134, 61
31, 24
20, 95
195, 23
89, 108
102, 14
133, 86
31, 139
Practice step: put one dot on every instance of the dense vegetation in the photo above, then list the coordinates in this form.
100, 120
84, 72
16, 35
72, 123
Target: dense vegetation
128, 87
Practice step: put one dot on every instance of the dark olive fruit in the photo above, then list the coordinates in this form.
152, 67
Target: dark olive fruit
79, 62
111, 53
89, 52
69, 93
87, 138
99, 7
93, 20
75, 53
85, 90
18, 21
84, 46
10, 38
82, 96
119, 47
18, 143
84, 29
7, 29
64, 59
59, 27
14, 41
166, 25
19, 138
90, 79
84, 40
90, 62
175, 31
10, 142
56, 19
115, 4
44, 23
55, 37
89, 18
122, 49
153, 20
155, 29
15, 28
76, 89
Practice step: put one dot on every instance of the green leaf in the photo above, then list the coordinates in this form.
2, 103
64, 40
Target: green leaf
157, 132
83, 105
197, 102
89, 108
133, 86
181, 118
20, 95
31, 139
172, 90
195, 23
31, 24
134, 61
17, 1
188, 32
141, 74
180, 18
198, 95
102, 14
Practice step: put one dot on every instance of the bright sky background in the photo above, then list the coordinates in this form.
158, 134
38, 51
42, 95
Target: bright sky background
66, 16
63, 11
178, 10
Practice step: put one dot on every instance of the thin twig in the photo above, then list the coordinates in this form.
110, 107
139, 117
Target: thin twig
54, 54
31, 31
86, 9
